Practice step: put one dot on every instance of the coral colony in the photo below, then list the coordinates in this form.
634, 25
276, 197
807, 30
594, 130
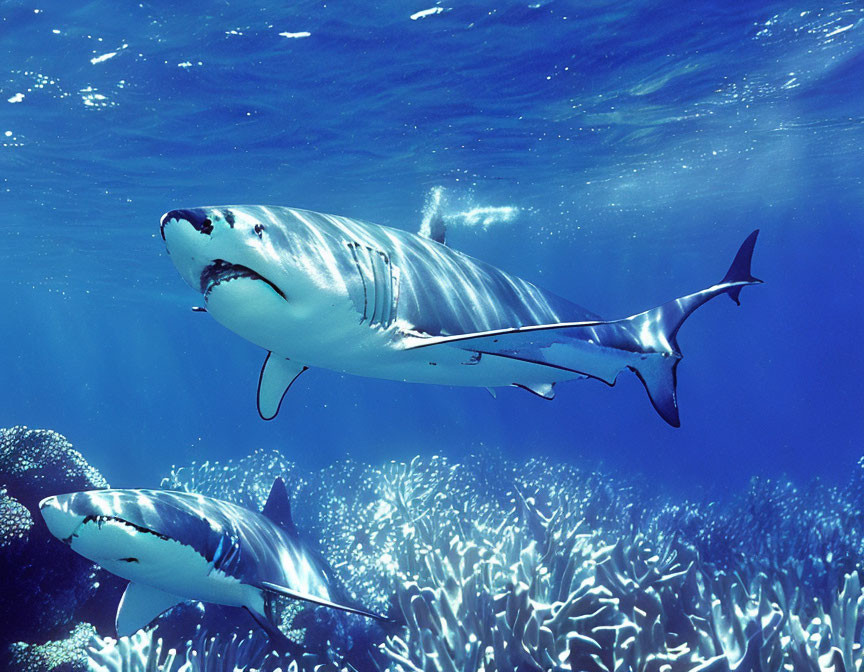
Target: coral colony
518, 566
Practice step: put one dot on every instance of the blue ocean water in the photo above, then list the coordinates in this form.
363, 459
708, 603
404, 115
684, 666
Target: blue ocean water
626, 150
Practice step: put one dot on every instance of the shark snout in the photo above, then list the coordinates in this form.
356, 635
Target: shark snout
61, 522
197, 217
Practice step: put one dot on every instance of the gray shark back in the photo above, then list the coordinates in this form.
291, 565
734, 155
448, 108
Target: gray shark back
393, 275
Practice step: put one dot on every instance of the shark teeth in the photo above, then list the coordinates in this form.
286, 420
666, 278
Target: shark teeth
220, 271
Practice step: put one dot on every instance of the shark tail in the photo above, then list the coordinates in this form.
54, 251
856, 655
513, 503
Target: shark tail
645, 343
657, 329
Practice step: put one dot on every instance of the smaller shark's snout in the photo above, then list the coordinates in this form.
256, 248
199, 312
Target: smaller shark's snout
197, 217
61, 522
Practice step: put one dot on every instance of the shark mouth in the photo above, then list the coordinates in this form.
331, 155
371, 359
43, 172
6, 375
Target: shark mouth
100, 520
220, 271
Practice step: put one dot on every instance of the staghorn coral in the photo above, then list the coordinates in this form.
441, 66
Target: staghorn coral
245, 482
227, 652
580, 597
813, 532
576, 603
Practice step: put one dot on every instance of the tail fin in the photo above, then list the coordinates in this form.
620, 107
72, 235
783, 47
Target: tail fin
738, 275
657, 329
646, 342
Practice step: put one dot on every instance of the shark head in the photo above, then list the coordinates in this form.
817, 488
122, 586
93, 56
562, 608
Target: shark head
124, 531
211, 246
249, 266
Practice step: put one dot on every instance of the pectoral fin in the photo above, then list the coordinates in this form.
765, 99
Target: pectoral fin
314, 599
139, 606
277, 374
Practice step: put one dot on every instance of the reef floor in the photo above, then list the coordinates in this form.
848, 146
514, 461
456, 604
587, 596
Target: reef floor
483, 564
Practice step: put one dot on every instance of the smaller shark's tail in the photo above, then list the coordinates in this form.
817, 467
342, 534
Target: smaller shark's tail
656, 330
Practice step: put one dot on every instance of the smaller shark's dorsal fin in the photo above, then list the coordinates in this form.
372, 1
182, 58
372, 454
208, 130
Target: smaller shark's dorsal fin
543, 390
276, 377
278, 508
139, 606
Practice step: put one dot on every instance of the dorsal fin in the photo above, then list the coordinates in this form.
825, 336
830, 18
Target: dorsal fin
437, 229
433, 226
278, 508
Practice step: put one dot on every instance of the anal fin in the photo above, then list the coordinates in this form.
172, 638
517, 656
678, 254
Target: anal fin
543, 390
277, 375
139, 606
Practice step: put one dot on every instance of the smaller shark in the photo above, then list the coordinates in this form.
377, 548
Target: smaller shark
177, 546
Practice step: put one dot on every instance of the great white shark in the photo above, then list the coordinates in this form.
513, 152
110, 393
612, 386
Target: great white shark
177, 546
319, 290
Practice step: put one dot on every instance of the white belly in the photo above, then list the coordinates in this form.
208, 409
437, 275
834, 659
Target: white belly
330, 335
165, 564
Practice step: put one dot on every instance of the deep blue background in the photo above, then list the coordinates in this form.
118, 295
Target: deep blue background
641, 141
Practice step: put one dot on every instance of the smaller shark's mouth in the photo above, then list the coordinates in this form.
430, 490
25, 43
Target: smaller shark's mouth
221, 271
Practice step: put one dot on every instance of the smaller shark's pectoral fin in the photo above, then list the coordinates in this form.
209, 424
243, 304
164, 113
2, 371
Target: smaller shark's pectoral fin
268, 587
277, 375
139, 606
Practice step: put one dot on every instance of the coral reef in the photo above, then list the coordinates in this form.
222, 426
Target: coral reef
813, 532
145, 652
35, 463
44, 584
246, 481
538, 566
66, 655
15, 521
493, 565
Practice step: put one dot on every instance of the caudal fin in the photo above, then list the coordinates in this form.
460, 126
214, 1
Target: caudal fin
657, 329
645, 343
738, 275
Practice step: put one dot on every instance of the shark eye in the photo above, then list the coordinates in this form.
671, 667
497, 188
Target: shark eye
259, 229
